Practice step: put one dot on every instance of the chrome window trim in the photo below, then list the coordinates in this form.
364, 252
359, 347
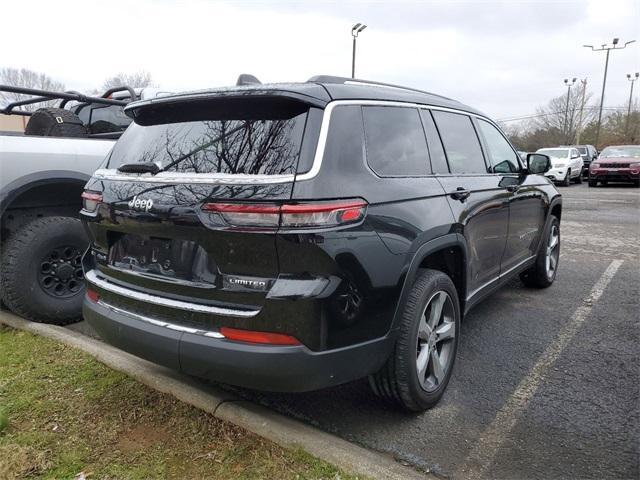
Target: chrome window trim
160, 323
92, 277
199, 178
326, 120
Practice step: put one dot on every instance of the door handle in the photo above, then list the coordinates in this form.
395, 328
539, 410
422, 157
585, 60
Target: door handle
461, 194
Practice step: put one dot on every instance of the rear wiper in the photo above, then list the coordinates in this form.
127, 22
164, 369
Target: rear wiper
148, 167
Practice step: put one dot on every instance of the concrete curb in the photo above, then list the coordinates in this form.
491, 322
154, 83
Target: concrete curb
280, 429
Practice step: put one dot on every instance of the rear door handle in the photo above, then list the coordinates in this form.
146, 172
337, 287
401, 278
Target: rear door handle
461, 194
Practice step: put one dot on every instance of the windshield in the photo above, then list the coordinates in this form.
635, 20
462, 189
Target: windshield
238, 146
613, 152
555, 152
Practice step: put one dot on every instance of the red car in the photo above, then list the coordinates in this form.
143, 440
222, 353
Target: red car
617, 163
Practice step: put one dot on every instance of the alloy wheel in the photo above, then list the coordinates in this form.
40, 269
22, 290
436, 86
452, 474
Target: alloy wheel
436, 341
553, 251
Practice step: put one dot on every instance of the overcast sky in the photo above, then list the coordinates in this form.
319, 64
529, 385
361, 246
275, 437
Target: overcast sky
505, 58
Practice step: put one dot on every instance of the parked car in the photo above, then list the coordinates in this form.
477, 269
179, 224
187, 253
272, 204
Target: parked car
291, 237
566, 165
44, 171
619, 163
588, 154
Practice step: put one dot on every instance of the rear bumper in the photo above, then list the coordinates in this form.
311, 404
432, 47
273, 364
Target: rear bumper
209, 355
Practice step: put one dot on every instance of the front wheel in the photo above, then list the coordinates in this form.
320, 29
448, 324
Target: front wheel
567, 179
543, 272
41, 274
420, 366
593, 183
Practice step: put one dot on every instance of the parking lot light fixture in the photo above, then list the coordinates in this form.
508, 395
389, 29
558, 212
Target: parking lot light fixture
355, 30
631, 79
608, 49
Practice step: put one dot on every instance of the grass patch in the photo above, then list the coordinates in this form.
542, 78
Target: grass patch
63, 413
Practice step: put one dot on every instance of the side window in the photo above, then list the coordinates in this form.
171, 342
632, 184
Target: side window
501, 156
395, 141
438, 158
460, 142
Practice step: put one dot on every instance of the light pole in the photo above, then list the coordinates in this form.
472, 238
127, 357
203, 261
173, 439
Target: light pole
604, 82
355, 30
632, 80
566, 108
582, 102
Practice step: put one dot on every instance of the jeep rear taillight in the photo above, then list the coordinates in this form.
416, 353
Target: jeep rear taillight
290, 216
91, 200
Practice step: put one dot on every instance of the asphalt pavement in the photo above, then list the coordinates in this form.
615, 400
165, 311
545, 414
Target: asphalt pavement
546, 383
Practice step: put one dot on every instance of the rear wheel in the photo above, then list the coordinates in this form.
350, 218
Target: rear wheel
543, 272
41, 273
418, 371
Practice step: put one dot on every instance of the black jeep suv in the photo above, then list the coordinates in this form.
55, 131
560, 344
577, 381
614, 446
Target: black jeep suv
289, 237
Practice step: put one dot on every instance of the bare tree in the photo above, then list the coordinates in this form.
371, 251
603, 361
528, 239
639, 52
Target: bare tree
139, 79
29, 79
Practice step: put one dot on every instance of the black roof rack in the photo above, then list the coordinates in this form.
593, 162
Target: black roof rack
46, 95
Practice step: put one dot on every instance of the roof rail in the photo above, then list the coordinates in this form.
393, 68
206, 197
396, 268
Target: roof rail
369, 83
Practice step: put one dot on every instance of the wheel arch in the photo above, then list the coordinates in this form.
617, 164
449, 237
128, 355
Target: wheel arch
34, 187
447, 253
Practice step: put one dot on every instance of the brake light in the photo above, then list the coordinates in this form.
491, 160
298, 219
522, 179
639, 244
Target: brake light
251, 336
302, 215
91, 200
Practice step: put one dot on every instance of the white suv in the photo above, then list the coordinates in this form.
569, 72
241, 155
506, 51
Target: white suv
566, 165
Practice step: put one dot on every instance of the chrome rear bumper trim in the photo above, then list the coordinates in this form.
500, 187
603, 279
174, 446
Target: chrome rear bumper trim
92, 277
160, 323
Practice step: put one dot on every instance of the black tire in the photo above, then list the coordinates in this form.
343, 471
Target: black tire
41, 275
539, 276
567, 179
593, 183
55, 122
397, 381
579, 179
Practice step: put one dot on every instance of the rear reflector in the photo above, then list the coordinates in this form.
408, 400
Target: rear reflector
90, 201
264, 338
302, 215
92, 295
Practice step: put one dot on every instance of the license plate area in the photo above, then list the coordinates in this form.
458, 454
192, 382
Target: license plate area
162, 258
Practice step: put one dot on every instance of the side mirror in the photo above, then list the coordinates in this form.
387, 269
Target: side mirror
537, 163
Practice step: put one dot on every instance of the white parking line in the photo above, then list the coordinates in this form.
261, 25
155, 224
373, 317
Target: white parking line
485, 449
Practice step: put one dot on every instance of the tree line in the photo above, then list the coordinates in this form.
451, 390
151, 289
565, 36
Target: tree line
572, 119
23, 77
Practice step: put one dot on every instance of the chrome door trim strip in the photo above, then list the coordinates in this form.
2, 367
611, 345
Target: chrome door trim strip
92, 277
160, 323
500, 276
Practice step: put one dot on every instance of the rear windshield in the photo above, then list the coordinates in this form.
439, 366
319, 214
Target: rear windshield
582, 150
268, 145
